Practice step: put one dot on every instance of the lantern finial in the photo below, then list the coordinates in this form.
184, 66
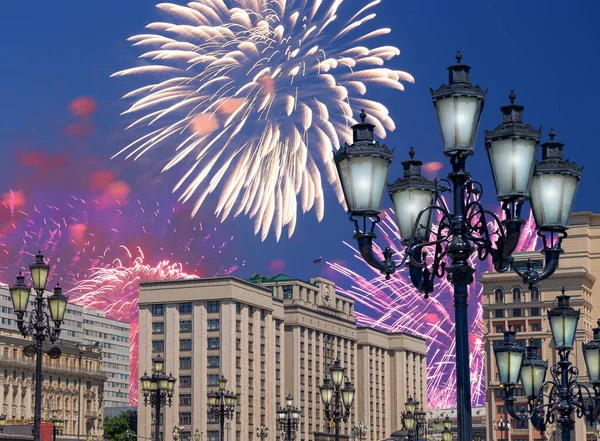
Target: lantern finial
458, 57
362, 115
512, 96
552, 134
411, 153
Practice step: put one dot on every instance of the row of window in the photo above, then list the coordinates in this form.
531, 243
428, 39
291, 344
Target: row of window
517, 327
516, 294
185, 344
518, 312
185, 326
185, 308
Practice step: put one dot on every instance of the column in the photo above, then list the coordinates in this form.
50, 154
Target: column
144, 425
171, 413
244, 354
199, 363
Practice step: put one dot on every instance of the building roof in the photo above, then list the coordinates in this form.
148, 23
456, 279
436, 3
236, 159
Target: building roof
259, 278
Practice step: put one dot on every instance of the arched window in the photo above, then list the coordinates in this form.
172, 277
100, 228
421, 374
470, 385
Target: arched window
516, 294
499, 295
535, 294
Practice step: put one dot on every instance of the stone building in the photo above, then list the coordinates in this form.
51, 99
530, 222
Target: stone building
270, 337
72, 385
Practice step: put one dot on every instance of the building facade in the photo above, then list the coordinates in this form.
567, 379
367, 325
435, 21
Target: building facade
88, 326
270, 337
508, 301
72, 386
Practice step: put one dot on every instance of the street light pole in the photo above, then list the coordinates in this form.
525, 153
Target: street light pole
465, 228
337, 399
359, 431
222, 404
288, 418
158, 391
38, 326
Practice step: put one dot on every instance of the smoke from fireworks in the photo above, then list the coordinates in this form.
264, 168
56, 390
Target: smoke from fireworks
396, 306
254, 93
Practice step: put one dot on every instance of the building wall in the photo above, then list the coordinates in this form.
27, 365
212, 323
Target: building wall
527, 312
88, 326
72, 385
277, 336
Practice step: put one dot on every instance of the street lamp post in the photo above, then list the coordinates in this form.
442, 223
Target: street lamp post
465, 227
57, 426
337, 399
38, 325
262, 432
502, 426
222, 404
563, 398
447, 432
288, 418
197, 435
359, 431
2, 423
414, 420
158, 391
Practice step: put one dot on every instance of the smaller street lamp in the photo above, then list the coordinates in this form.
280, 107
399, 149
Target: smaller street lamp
262, 432
288, 418
2, 423
359, 431
337, 400
177, 432
197, 435
221, 404
158, 391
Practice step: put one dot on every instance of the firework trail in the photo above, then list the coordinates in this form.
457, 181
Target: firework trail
255, 94
115, 290
396, 306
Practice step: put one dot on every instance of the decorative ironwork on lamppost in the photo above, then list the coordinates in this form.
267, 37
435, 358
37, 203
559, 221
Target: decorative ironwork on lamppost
221, 405
337, 399
38, 326
262, 432
563, 398
359, 431
158, 391
288, 418
465, 228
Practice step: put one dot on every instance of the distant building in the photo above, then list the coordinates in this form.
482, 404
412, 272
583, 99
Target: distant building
271, 336
73, 386
89, 326
506, 300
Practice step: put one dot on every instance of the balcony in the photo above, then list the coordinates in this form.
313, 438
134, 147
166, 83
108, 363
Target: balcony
90, 415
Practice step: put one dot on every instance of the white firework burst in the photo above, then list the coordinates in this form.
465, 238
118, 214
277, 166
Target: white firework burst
254, 95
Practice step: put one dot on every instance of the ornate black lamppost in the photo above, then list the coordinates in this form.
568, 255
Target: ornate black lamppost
563, 398
262, 432
288, 418
359, 431
158, 391
197, 435
2, 423
57, 426
414, 420
502, 426
337, 399
221, 404
463, 229
447, 432
38, 326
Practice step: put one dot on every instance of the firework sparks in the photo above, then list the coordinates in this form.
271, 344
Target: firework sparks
247, 89
396, 306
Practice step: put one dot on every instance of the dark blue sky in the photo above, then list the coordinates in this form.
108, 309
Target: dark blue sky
546, 51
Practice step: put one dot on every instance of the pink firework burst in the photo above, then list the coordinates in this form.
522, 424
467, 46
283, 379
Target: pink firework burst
115, 290
396, 306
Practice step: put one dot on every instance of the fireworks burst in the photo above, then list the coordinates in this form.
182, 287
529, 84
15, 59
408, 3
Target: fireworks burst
396, 306
248, 86
115, 290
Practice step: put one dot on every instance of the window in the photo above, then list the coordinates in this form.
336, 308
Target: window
238, 307
250, 311
185, 344
158, 309
158, 327
263, 314
214, 324
185, 418
499, 295
213, 306
277, 323
499, 313
213, 343
535, 312
517, 328
185, 308
185, 381
185, 399
185, 362
238, 325
158, 345
212, 380
185, 326
214, 361
250, 328
516, 295
536, 327
288, 292
212, 436
535, 294
499, 329
516, 312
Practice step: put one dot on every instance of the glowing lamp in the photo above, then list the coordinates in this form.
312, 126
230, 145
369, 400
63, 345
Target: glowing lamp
509, 357
20, 295
591, 353
39, 272
57, 304
337, 373
533, 372
563, 323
